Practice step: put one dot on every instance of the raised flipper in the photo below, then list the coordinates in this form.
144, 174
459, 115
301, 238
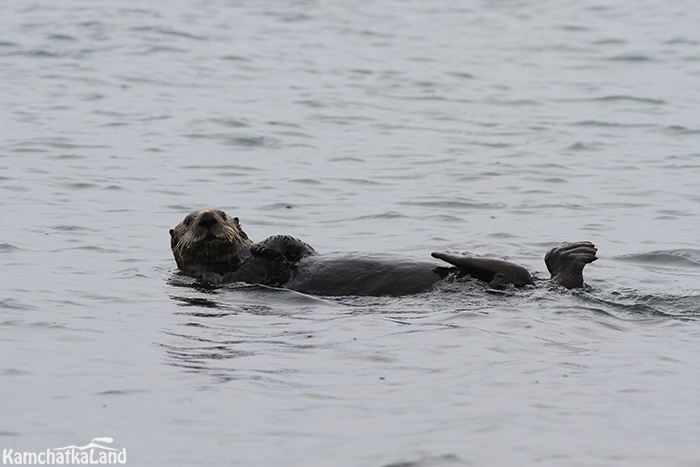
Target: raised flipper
566, 262
261, 270
271, 262
496, 272
282, 247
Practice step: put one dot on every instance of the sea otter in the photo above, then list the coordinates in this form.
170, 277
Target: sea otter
212, 246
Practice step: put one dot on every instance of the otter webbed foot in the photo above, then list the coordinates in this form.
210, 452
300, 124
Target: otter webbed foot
566, 262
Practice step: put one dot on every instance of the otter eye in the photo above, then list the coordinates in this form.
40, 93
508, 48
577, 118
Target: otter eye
188, 221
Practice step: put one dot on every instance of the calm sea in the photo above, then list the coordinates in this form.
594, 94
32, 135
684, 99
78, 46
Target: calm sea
496, 127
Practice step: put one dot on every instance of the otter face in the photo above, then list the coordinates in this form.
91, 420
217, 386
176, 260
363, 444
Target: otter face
208, 241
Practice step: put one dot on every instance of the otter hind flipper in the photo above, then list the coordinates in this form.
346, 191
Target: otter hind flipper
566, 262
496, 272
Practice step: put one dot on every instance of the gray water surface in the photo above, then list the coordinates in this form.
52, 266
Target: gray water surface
496, 127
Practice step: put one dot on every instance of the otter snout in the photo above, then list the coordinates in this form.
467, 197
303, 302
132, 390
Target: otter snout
207, 220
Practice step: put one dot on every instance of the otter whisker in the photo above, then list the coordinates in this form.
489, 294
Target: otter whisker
185, 242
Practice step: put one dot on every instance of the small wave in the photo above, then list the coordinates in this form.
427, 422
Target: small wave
40, 53
574, 27
94, 248
384, 215
459, 74
445, 218
312, 103
610, 42
347, 159
61, 37
168, 32
120, 392
516, 102
53, 143
489, 145
235, 58
680, 130
70, 228
253, 141
554, 180
682, 40
644, 100
12, 304
426, 98
8, 248
445, 460
239, 168
239, 141
277, 206
200, 302
687, 306
229, 122
197, 358
306, 181
679, 258
80, 186
66, 157
161, 49
29, 150
645, 305
357, 181
361, 71
630, 58
596, 123
180, 280
583, 147
454, 204
48, 325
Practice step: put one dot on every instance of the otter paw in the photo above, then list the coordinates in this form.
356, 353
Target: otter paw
566, 262
264, 251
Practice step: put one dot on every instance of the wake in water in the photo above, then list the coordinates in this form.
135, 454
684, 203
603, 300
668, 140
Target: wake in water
657, 300
662, 283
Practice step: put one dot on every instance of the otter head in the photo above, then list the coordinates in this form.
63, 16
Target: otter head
209, 241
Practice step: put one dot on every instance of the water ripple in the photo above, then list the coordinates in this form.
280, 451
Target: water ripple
675, 258
8, 248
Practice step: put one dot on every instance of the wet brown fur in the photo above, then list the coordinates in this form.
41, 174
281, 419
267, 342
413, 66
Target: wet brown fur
209, 241
212, 246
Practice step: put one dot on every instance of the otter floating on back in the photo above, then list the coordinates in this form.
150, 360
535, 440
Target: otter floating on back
212, 246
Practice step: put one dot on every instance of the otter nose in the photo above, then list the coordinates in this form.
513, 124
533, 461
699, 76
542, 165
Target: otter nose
207, 220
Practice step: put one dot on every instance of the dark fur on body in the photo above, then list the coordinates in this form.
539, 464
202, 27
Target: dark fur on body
212, 246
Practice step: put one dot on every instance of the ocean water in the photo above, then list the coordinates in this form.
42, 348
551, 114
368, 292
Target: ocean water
496, 127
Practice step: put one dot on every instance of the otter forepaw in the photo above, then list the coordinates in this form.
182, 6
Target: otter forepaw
264, 251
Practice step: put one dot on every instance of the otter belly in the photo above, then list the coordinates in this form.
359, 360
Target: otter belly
370, 275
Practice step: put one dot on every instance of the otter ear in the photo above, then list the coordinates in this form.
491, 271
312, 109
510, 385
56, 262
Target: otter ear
172, 232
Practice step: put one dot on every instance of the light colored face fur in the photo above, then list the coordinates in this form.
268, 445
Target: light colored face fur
208, 241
